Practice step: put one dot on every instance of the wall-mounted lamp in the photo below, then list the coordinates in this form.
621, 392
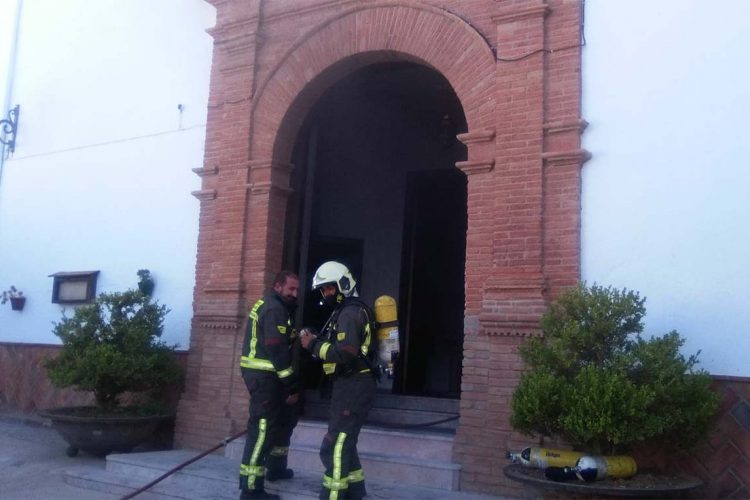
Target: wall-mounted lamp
9, 128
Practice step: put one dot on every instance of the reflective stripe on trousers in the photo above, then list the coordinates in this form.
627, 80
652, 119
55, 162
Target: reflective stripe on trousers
356, 476
252, 470
336, 483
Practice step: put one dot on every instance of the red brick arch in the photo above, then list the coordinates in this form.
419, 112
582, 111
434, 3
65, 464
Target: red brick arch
523, 174
392, 31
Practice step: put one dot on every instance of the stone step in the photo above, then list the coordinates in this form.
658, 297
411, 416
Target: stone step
408, 444
387, 469
215, 477
410, 458
386, 400
392, 410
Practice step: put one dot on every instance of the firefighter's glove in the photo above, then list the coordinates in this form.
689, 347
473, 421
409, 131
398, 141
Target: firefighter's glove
307, 336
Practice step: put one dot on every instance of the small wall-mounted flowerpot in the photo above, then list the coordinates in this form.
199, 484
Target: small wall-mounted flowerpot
146, 287
17, 303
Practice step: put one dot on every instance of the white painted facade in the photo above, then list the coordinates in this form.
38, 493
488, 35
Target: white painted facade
101, 176
666, 195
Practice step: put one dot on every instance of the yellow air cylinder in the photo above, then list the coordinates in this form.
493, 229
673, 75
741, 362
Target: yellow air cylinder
592, 468
541, 458
386, 315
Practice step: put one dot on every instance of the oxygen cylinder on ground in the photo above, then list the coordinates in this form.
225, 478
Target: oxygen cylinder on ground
541, 458
595, 468
386, 315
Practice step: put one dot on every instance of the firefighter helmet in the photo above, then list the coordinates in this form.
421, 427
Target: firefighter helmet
336, 273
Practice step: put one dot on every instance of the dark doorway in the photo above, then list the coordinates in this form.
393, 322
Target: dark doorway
432, 278
369, 159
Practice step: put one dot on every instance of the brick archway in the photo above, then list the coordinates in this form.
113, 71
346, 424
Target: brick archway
361, 36
334, 49
521, 100
329, 52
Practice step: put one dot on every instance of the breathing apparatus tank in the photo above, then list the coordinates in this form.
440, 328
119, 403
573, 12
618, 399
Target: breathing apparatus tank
595, 468
386, 316
541, 458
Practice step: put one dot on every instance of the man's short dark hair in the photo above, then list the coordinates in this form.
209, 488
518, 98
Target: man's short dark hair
284, 275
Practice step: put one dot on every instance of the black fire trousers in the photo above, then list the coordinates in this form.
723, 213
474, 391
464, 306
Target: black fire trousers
351, 400
269, 429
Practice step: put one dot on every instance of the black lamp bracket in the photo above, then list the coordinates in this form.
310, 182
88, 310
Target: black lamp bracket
9, 128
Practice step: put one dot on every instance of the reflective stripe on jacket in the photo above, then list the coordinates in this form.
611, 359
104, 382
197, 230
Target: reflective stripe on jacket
268, 337
349, 340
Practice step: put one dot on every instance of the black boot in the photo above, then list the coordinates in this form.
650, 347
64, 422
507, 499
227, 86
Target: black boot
247, 495
258, 491
276, 475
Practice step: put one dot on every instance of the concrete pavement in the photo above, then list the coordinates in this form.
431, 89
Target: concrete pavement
33, 462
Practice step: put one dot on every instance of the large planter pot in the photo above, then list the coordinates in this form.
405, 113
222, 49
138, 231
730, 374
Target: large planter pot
645, 484
101, 434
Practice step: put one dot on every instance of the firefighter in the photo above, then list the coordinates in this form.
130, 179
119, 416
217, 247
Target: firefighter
345, 346
271, 380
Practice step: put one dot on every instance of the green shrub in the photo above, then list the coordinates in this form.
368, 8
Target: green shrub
594, 382
112, 346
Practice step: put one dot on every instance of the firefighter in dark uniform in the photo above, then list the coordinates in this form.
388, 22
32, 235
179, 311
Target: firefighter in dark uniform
346, 349
268, 370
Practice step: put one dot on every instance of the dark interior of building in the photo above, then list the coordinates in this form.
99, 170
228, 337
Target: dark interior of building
375, 186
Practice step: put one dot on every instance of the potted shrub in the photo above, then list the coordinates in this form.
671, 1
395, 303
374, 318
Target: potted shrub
112, 347
16, 298
146, 282
596, 383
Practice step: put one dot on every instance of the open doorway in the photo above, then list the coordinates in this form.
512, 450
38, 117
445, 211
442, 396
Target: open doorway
432, 278
375, 186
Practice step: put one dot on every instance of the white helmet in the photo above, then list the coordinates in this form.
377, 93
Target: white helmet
333, 272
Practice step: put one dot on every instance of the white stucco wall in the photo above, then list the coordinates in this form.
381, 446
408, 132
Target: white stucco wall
101, 177
666, 196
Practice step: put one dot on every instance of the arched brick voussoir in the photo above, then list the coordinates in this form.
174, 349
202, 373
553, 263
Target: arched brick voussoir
364, 35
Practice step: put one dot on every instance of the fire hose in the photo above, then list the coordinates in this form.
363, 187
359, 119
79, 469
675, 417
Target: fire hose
171, 471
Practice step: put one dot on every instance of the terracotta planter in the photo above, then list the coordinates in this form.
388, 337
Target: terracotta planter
17, 303
101, 434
